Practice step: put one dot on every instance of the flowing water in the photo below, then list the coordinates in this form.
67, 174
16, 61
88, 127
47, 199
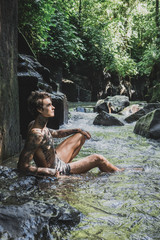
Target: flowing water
124, 205
117, 206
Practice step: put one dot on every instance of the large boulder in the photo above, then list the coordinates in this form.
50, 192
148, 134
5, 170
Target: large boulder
105, 119
117, 104
148, 107
149, 125
30, 68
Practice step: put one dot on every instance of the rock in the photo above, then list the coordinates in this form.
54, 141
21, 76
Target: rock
30, 68
149, 125
59, 101
80, 109
131, 109
23, 215
69, 88
148, 107
74, 92
105, 119
101, 105
153, 94
33, 218
117, 104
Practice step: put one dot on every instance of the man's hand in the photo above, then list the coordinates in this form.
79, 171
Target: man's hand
85, 133
51, 171
47, 171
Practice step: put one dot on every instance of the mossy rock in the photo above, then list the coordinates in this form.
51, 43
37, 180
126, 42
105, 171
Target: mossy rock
149, 125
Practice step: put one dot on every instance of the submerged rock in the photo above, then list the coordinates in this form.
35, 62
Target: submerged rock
105, 119
149, 125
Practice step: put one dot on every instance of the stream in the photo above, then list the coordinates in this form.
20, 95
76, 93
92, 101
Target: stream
119, 206
123, 205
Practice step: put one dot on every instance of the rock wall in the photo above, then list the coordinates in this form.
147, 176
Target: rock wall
34, 76
9, 110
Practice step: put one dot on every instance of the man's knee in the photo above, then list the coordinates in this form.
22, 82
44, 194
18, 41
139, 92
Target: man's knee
99, 158
81, 137
78, 139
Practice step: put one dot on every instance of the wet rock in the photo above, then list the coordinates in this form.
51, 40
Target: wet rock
7, 173
34, 217
116, 103
149, 125
148, 107
25, 212
105, 119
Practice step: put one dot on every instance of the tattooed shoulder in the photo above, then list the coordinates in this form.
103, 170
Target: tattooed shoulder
35, 135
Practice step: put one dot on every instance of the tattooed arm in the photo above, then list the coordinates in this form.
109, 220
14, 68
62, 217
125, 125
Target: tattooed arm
66, 132
33, 142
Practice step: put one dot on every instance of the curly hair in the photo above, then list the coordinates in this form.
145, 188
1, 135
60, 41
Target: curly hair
35, 102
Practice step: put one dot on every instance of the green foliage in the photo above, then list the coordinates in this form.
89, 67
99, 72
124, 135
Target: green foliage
121, 36
35, 21
47, 27
64, 42
150, 56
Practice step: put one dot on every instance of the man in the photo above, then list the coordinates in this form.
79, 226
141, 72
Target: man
39, 144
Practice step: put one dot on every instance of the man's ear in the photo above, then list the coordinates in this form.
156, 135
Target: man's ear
39, 110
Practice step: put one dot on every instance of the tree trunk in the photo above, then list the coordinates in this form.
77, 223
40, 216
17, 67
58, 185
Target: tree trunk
9, 103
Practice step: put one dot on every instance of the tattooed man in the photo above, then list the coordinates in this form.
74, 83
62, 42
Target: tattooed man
39, 145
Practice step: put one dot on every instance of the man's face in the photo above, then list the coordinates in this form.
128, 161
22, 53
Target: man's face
48, 108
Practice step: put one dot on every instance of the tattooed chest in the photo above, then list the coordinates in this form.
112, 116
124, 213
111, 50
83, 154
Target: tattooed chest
47, 147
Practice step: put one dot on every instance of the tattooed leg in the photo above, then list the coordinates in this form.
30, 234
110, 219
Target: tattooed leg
70, 147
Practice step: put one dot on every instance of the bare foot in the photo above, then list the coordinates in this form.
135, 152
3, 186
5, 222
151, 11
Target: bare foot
135, 169
121, 169
130, 169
